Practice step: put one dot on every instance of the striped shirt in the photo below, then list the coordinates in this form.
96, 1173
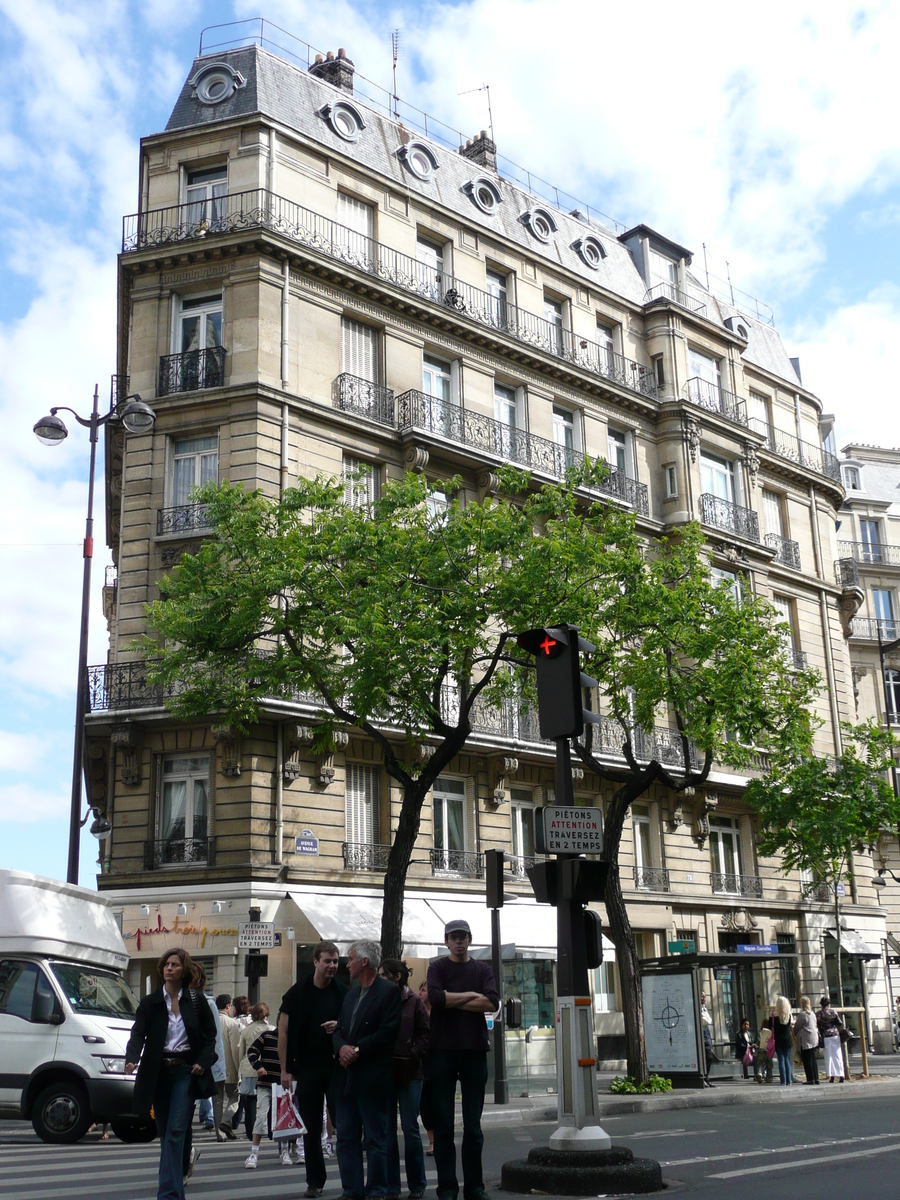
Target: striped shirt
264, 1053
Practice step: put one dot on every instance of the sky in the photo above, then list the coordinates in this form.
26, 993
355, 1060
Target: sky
764, 133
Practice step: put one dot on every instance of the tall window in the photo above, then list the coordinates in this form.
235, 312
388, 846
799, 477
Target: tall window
717, 477
437, 384
883, 602
605, 987
449, 801
607, 345
199, 336
361, 801
430, 268
704, 380
563, 438
497, 286
851, 479
758, 412
616, 449
358, 220
773, 512
359, 350
662, 269
892, 689
359, 486
506, 414
784, 606
640, 827
553, 315
195, 461
871, 549
521, 816
184, 809
725, 854
205, 194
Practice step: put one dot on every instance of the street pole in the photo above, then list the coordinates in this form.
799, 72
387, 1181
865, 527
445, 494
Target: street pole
252, 975
501, 1083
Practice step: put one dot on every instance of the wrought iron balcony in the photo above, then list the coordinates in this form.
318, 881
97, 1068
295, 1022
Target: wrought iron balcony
416, 410
365, 856
797, 660
516, 866
787, 552
846, 573
816, 891
115, 686
179, 852
867, 552
364, 398
261, 209
716, 399
736, 885
668, 291
184, 518
651, 879
868, 629
722, 514
457, 862
191, 371
118, 389
805, 454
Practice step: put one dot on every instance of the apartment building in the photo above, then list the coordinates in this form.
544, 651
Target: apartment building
308, 285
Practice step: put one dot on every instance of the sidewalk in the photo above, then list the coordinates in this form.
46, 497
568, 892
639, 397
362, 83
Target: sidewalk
884, 1080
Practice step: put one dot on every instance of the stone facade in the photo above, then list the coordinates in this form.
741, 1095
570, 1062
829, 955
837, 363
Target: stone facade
301, 272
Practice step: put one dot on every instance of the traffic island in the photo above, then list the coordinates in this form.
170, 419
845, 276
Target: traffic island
582, 1173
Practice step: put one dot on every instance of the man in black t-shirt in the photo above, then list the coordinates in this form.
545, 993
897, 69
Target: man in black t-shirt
308, 1016
461, 991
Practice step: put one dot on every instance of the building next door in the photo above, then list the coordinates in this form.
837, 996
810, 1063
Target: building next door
738, 992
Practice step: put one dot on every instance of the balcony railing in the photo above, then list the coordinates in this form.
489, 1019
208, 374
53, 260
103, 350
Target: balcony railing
179, 852
668, 291
716, 399
184, 518
816, 891
457, 862
846, 572
867, 628
805, 454
516, 865
191, 371
118, 389
797, 660
866, 552
736, 885
363, 398
722, 514
787, 552
365, 856
261, 209
115, 686
416, 410
651, 879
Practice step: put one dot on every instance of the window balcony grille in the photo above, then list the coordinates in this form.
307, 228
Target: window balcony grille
516, 866
816, 892
118, 389
787, 552
868, 629
722, 514
418, 411
668, 291
261, 209
797, 660
805, 454
115, 686
716, 399
365, 856
726, 884
184, 518
868, 552
191, 371
363, 398
651, 879
457, 862
846, 572
179, 852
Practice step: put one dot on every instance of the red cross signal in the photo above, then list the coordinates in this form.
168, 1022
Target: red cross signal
547, 643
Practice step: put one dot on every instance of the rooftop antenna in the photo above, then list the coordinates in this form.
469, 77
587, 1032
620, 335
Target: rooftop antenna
395, 47
706, 266
485, 87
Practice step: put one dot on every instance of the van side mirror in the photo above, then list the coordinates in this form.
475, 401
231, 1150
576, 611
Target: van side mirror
45, 1011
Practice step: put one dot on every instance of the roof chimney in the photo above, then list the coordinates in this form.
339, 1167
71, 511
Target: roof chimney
336, 71
481, 150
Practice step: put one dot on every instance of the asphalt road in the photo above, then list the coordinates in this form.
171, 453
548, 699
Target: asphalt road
837, 1151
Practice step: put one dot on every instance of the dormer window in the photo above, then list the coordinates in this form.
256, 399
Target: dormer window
851, 479
540, 223
483, 193
344, 119
590, 250
419, 160
216, 82
662, 269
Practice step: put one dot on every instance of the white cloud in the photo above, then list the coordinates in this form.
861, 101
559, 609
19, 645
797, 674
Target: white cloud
20, 751
24, 804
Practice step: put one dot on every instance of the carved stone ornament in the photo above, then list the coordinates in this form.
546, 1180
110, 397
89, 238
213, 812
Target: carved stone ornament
228, 744
578, 774
504, 768
425, 752
858, 673
848, 606
734, 554
97, 774
751, 460
123, 740
171, 553
730, 921
488, 483
415, 458
690, 429
676, 816
707, 804
296, 737
340, 739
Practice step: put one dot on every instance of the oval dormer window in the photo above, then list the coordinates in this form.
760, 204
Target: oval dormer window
419, 159
590, 251
540, 223
216, 82
344, 119
484, 194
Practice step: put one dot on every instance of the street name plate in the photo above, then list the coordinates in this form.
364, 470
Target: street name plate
569, 831
683, 946
765, 948
256, 935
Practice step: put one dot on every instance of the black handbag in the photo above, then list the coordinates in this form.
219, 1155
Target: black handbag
203, 1087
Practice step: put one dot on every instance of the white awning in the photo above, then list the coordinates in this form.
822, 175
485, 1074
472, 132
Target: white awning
852, 944
342, 915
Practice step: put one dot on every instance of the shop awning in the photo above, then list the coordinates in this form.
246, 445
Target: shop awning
342, 915
852, 944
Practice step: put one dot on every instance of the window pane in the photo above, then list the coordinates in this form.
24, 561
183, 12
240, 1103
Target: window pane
17, 983
456, 824
190, 333
174, 809
213, 329
183, 481
199, 808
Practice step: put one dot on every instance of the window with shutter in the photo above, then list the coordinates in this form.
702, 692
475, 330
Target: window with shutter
359, 350
358, 221
361, 804
773, 512
358, 492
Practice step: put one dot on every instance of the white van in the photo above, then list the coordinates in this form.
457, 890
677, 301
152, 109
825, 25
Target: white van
65, 1011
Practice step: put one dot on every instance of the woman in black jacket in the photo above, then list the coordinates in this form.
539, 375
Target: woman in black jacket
175, 1029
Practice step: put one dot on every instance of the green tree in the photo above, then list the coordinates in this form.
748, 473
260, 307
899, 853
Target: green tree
399, 615
675, 642
816, 812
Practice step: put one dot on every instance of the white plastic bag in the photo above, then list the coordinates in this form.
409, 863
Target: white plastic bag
286, 1122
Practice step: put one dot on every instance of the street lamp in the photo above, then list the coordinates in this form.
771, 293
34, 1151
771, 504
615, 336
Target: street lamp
136, 417
879, 881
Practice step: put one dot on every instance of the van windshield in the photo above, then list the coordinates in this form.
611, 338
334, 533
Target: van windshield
88, 990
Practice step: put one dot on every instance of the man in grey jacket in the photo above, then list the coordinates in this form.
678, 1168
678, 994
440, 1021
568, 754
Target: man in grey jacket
227, 1099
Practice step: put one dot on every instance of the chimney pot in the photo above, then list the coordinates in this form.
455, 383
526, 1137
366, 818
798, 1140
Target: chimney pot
481, 150
336, 71
329, 57
342, 53
484, 133
319, 58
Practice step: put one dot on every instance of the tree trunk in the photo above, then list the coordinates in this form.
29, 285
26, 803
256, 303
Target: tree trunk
397, 869
629, 977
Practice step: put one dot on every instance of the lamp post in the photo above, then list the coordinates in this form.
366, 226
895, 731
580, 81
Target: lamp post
136, 417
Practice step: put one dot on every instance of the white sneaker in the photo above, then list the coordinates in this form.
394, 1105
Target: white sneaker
327, 1148
252, 1161
300, 1152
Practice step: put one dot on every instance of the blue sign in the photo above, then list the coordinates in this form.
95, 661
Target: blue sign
307, 843
770, 948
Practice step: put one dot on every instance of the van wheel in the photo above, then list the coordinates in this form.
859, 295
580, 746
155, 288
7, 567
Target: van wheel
133, 1130
62, 1112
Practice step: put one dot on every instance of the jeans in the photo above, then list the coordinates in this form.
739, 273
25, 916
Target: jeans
784, 1064
205, 1115
359, 1117
470, 1068
408, 1100
810, 1065
313, 1087
173, 1107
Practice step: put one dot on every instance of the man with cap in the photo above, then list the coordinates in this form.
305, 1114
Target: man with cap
461, 991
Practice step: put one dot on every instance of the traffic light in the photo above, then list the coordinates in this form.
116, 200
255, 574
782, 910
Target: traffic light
256, 965
593, 939
559, 679
493, 878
